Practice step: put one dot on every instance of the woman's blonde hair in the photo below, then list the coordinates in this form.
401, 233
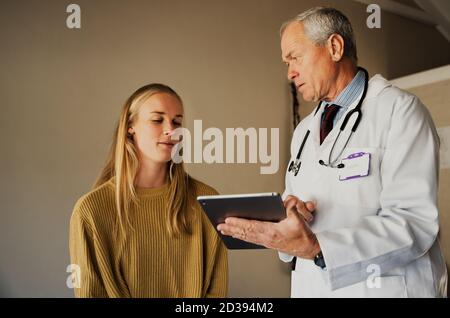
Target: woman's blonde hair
122, 164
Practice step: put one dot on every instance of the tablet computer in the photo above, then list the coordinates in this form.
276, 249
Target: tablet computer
256, 206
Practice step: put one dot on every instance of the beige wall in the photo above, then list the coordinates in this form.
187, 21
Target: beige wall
61, 91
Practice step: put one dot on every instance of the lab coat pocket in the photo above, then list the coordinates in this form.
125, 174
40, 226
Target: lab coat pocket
362, 191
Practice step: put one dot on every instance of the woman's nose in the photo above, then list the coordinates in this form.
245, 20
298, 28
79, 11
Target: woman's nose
169, 132
169, 129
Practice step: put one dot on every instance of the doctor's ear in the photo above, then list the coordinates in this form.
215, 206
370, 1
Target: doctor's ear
336, 47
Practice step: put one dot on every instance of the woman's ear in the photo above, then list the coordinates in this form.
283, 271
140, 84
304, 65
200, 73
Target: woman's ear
130, 133
336, 47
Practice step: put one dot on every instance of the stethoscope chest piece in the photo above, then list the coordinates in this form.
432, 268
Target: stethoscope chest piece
295, 167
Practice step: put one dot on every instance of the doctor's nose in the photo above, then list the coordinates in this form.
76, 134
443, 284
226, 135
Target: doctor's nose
291, 74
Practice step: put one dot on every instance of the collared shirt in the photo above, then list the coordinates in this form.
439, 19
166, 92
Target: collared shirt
348, 95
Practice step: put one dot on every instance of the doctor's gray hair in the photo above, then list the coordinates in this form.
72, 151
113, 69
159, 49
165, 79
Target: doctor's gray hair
320, 23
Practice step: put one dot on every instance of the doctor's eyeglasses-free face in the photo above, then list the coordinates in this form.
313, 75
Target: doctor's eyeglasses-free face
294, 166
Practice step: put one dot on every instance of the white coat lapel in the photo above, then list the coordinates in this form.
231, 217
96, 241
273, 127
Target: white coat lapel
315, 129
376, 84
324, 149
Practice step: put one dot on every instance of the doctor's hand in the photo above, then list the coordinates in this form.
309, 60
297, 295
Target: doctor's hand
291, 235
300, 205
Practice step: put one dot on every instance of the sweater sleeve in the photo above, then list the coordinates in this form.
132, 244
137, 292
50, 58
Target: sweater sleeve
218, 286
82, 255
216, 254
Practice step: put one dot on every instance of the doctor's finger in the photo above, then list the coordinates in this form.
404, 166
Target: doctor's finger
292, 211
291, 204
229, 230
233, 226
289, 199
304, 212
311, 206
247, 225
246, 234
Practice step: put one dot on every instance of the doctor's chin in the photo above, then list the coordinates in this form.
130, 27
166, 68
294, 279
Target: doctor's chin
224, 155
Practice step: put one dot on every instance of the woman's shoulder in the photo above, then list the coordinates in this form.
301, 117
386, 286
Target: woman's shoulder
201, 188
97, 201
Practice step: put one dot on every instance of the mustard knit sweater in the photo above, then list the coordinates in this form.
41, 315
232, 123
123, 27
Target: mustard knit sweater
149, 262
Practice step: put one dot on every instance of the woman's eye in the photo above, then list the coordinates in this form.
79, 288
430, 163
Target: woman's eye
176, 123
157, 121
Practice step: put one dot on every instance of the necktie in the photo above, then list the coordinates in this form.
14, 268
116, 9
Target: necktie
327, 121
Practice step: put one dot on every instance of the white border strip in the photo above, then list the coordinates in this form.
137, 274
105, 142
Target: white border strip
423, 78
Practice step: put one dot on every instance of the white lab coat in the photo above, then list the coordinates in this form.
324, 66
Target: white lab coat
378, 234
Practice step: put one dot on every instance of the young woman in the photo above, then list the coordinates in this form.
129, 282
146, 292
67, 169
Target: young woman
140, 232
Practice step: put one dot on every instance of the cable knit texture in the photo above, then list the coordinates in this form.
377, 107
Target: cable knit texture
148, 262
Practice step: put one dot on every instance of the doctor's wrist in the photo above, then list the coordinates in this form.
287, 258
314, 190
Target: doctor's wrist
315, 249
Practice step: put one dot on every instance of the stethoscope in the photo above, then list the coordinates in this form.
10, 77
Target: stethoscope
295, 166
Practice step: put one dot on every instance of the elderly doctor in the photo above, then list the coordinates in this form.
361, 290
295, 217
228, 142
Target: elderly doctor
361, 185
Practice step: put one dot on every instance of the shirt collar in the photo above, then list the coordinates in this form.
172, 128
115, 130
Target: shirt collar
350, 92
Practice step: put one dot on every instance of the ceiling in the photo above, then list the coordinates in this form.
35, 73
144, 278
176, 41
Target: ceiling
430, 12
